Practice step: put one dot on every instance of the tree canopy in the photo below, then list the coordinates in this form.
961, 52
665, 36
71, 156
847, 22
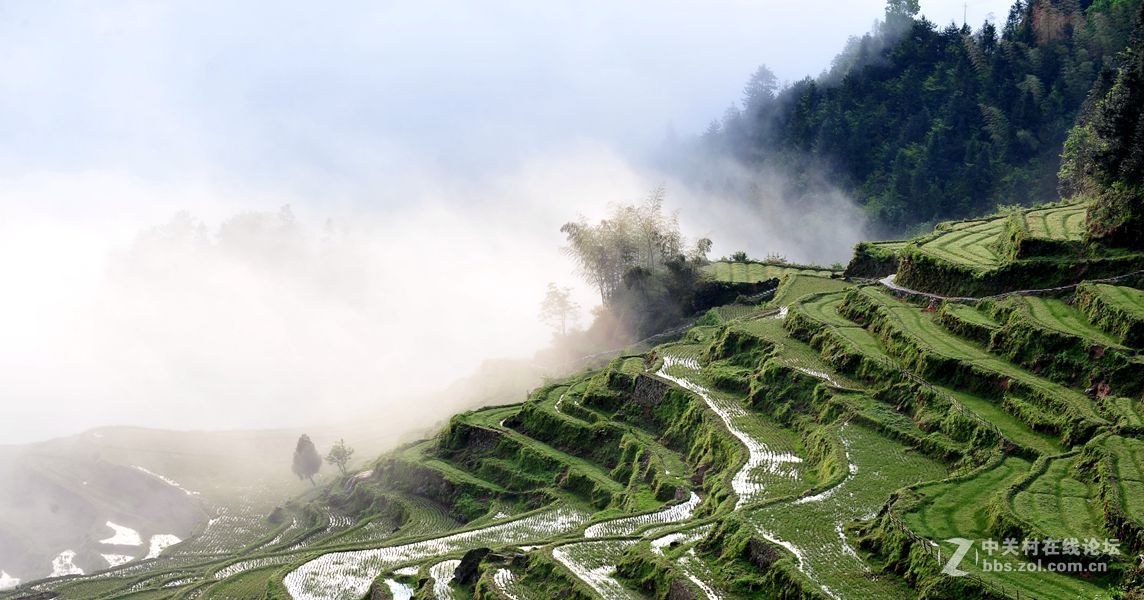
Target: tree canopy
921, 123
634, 235
307, 462
1104, 154
339, 455
636, 258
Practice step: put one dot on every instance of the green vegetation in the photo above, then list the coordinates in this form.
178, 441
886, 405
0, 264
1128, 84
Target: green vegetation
1054, 339
1058, 504
796, 286
1118, 311
1102, 157
813, 523
875, 259
755, 272
923, 121
973, 244
1063, 223
953, 509
1020, 250
916, 338
1059, 316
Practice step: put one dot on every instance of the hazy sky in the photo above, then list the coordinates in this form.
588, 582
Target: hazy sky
414, 124
270, 92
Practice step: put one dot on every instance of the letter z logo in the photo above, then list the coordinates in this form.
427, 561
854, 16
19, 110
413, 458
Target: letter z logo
963, 546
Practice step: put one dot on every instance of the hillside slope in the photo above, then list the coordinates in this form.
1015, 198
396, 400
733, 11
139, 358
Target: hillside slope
826, 443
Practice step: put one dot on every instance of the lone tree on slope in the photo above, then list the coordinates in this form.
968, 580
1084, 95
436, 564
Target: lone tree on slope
339, 455
307, 463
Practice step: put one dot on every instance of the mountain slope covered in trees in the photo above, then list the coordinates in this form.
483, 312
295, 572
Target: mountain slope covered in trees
921, 122
825, 443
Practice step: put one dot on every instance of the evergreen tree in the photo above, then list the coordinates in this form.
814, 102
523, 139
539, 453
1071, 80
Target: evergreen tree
1106, 153
920, 123
307, 462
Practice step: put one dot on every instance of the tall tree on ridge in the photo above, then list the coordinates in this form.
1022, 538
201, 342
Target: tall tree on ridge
307, 462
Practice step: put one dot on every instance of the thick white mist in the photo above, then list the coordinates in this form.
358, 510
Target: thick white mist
130, 313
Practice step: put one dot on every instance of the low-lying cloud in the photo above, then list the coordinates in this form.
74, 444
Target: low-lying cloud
270, 310
256, 315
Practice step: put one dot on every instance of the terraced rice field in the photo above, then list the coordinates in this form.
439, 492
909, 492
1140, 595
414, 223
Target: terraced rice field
508, 584
973, 243
776, 490
1130, 410
1117, 310
230, 531
680, 538
347, 575
249, 584
972, 315
632, 365
1128, 299
754, 272
565, 401
795, 353
1128, 458
1059, 504
1059, 316
699, 574
630, 525
811, 527
824, 309
734, 311
243, 566
594, 563
1011, 427
954, 510
1057, 222
794, 287
592, 470
890, 245
374, 530
442, 574
773, 467
425, 517
928, 333
398, 590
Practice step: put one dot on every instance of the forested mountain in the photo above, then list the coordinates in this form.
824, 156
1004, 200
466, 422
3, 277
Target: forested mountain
921, 123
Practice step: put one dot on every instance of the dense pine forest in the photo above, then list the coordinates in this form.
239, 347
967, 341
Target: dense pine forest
921, 122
